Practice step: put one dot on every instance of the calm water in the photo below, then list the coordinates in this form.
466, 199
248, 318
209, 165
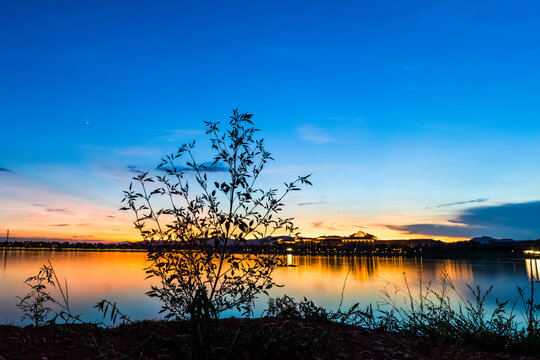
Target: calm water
118, 276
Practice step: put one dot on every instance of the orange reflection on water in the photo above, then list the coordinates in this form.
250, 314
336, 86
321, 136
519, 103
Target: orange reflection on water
90, 276
119, 277
361, 279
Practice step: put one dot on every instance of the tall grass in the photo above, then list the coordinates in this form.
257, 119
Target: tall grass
438, 311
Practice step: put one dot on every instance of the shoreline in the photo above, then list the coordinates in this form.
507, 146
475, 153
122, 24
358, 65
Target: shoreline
449, 256
262, 338
69, 249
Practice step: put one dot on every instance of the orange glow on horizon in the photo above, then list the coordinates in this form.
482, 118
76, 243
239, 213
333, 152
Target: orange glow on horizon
119, 232
55, 215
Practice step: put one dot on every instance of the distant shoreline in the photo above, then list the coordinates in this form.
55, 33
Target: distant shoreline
452, 256
408, 249
69, 249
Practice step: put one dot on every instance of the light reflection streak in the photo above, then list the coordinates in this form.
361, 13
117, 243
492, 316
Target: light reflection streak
533, 267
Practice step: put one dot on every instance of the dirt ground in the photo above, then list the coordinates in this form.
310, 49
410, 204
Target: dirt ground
232, 339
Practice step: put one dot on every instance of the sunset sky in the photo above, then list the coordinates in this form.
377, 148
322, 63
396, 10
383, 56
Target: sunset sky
416, 118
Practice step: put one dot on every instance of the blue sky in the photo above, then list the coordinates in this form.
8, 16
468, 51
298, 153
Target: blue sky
395, 107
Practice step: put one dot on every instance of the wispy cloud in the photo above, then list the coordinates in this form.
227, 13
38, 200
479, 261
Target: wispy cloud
218, 167
314, 134
323, 225
317, 224
59, 210
309, 203
4, 170
459, 203
60, 225
208, 168
134, 169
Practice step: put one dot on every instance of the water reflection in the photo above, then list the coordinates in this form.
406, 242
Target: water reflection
4, 258
390, 268
118, 276
289, 260
533, 266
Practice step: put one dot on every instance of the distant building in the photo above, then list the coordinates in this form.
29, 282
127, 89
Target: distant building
286, 240
361, 238
358, 238
305, 240
330, 240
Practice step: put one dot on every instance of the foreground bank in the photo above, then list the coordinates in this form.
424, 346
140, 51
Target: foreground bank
266, 338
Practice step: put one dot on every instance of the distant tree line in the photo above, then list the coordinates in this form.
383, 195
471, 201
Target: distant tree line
56, 245
424, 247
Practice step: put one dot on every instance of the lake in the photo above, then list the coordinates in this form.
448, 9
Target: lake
118, 276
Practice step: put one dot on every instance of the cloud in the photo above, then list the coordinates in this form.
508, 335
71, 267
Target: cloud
514, 215
4, 170
60, 225
59, 210
459, 203
513, 220
314, 134
219, 167
309, 203
134, 169
317, 224
321, 224
438, 230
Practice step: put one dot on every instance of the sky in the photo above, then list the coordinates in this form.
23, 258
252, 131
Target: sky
417, 119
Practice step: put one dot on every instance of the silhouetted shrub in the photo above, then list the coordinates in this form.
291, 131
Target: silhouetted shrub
196, 227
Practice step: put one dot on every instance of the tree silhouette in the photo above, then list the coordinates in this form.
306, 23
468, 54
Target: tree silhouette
198, 229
